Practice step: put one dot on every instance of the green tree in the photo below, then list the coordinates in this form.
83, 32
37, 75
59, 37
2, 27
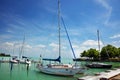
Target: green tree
119, 52
109, 51
84, 54
91, 53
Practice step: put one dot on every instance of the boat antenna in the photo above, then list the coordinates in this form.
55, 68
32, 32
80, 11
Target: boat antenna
59, 29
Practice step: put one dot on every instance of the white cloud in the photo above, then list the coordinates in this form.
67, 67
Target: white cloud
116, 43
40, 46
7, 47
90, 43
105, 4
115, 36
77, 50
28, 46
75, 46
53, 45
8, 44
80, 47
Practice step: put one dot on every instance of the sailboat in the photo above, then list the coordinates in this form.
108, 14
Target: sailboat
13, 58
59, 68
23, 59
97, 64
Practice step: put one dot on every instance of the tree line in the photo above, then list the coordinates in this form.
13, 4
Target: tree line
106, 53
4, 55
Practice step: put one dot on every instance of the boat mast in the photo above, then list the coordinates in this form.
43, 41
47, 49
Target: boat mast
98, 43
59, 29
21, 51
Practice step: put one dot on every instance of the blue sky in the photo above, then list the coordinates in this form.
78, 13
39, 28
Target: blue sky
37, 19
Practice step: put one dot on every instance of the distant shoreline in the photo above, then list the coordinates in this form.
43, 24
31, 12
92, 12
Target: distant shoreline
110, 60
4, 55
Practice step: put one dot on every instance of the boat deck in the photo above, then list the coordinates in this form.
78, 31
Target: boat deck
60, 66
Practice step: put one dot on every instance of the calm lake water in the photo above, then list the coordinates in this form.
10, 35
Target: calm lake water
20, 72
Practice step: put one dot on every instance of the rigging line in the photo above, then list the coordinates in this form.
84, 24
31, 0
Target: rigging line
13, 48
22, 47
104, 45
68, 38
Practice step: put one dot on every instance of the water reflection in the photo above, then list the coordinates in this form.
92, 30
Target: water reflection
0, 63
11, 68
10, 75
27, 66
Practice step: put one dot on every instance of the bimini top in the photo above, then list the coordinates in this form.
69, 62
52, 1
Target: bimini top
58, 59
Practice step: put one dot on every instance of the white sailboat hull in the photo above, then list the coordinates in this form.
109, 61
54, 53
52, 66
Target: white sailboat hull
14, 61
68, 71
25, 62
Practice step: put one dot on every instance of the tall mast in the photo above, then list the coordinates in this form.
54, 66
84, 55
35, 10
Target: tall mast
59, 29
98, 42
21, 51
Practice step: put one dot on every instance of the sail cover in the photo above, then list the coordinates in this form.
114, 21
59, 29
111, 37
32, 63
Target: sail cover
58, 59
24, 57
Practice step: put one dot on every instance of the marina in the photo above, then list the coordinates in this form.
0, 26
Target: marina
57, 40
23, 72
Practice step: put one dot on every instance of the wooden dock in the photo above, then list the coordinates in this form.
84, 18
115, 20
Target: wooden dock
117, 77
113, 74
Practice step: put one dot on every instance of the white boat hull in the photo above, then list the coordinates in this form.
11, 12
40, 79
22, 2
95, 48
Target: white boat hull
59, 71
13, 61
25, 62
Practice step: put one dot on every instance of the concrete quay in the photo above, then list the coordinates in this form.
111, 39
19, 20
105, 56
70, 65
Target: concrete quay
113, 74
